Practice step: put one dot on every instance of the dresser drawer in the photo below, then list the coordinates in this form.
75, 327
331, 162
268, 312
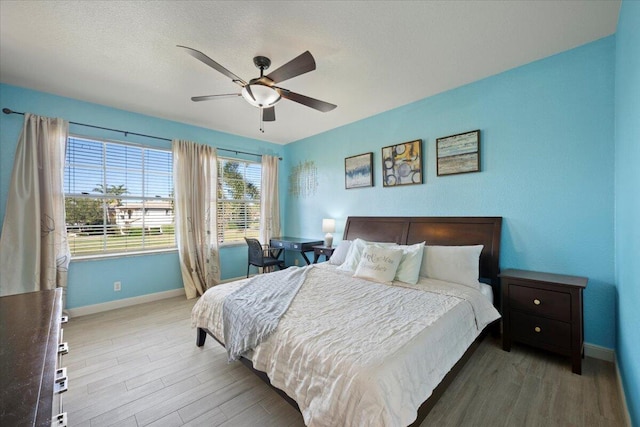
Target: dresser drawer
540, 302
541, 332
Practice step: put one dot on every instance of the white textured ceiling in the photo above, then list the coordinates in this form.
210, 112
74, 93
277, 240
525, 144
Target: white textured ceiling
371, 56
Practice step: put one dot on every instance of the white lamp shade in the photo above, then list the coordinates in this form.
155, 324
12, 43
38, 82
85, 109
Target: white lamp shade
263, 96
328, 225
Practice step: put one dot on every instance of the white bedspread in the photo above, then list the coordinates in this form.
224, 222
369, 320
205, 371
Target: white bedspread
358, 353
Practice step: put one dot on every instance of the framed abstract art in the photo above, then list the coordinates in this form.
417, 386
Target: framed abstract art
402, 164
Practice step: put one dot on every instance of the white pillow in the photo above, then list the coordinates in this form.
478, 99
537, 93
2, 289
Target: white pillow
409, 268
355, 253
458, 264
379, 263
340, 254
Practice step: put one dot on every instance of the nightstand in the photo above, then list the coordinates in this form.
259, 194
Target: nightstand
322, 250
544, 310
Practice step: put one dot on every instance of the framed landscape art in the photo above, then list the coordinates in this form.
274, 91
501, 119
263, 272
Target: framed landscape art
358, 171
402, 164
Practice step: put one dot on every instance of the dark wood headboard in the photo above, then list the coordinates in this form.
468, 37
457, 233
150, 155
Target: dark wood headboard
443, 231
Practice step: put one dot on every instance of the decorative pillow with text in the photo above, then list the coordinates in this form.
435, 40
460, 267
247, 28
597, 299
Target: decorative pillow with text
355, 253
379, 264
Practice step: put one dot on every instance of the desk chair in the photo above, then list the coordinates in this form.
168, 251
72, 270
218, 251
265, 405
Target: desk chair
261, 257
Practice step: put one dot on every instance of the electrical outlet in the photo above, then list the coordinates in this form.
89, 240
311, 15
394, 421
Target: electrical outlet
296, 262
117, 286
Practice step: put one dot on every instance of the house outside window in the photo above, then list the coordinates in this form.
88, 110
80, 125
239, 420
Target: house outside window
109, 186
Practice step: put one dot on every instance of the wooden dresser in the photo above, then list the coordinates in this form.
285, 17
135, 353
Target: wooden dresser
544, 310
30, 355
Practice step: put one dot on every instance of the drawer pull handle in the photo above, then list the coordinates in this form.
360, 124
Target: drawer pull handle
63, 348
59, 420
537, 329
536, 301
61, 375
61, 385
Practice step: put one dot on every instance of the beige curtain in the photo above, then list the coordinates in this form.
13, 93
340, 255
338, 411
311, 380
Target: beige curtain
34, 252
195, 174
270, 205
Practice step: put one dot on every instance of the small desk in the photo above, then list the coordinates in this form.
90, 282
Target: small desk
297, 244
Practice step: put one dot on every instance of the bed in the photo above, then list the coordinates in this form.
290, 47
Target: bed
349, 351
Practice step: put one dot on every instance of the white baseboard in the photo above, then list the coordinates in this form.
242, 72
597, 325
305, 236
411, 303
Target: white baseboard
233, 279
598, 352
126, 302
609, 355
625, 408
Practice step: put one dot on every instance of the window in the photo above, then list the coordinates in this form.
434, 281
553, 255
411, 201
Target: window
118, 197
238, 199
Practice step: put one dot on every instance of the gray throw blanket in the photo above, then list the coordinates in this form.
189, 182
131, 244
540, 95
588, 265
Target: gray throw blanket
252, 312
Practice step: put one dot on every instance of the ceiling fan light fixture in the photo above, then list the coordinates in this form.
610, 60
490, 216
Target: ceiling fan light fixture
260, 96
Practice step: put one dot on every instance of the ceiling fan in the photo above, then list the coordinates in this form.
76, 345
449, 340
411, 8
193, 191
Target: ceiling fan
262, 91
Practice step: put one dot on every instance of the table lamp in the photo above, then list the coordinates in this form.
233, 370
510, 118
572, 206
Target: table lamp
328, 226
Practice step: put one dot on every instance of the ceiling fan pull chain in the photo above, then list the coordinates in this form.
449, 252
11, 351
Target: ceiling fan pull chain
261, 121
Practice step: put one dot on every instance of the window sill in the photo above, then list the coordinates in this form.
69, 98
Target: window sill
97, 257
232, 244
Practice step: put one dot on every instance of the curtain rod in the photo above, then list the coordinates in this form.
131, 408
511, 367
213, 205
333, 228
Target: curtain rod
9, 111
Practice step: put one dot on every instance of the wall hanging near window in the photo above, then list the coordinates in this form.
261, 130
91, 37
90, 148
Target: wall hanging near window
303, 179
358, 171
458, 153
402, 164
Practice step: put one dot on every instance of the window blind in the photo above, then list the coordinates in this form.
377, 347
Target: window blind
238, 199
118, 197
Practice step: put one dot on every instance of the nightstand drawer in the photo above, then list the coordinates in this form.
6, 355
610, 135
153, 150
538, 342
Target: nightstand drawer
541, 332
540, 302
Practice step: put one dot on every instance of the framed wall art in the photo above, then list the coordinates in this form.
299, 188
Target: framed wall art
358, 171
458, 153
402, 164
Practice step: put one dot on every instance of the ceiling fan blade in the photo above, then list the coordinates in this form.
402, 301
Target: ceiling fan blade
305, 100
269, 114
210, 97
213, 64
299, 65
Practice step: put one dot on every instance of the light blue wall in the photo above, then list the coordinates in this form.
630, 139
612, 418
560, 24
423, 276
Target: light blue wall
91, 282
627, 203
547, 167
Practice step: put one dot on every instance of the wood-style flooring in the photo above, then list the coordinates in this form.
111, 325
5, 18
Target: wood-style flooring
139, 366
